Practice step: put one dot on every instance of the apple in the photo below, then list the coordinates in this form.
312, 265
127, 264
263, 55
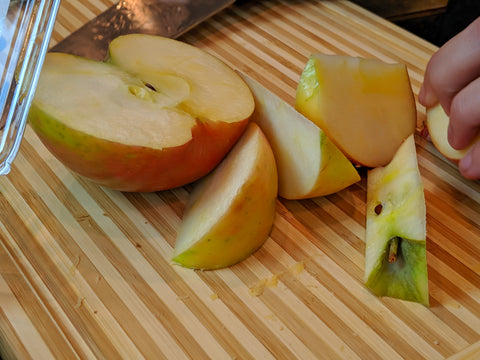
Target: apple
365, 106
308, 163
157, 115
437, 125
230, 213
395, 255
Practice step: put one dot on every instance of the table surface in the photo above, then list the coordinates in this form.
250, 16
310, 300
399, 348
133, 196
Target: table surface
85, 272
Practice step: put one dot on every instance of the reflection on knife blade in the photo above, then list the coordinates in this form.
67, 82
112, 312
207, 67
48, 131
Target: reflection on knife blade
169, 18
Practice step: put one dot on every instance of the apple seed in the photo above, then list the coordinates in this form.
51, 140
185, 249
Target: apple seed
378, 209
150, 86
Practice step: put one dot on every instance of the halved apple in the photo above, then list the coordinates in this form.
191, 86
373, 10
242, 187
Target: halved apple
365, 106
160, 114
395, 257
308, 163
437, 125
231, 211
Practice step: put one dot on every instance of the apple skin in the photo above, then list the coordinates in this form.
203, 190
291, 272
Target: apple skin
365, 106
396, 210
238, 199
136, 168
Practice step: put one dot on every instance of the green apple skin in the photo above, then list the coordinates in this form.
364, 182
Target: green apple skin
396, 209
404, 279
230, 212
136, 168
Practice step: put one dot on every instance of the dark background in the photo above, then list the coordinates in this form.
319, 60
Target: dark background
433, 20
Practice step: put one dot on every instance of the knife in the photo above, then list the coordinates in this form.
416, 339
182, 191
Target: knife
169, 18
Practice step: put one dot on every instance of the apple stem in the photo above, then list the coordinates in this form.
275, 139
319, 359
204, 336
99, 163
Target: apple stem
393, 250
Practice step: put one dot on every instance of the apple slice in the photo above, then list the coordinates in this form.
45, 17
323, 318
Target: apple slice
231, 211
308, 163
365, 106
437, 125
395, 261
159, 114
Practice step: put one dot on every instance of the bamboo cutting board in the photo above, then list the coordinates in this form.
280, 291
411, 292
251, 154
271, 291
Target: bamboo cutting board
85, 272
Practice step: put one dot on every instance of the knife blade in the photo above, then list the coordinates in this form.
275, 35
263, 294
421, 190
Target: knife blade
169, 18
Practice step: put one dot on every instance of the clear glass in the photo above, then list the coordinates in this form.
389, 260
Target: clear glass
25, 30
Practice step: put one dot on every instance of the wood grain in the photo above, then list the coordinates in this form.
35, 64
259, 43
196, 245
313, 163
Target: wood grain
85, 272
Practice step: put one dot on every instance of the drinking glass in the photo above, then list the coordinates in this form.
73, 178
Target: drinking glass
25, 30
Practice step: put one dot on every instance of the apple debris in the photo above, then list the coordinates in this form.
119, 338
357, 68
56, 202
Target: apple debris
308, 163
437, 125
159, 114
395, 260
365, 106
230, 213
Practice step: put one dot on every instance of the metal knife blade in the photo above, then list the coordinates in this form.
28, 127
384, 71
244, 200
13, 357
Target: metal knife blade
169, 18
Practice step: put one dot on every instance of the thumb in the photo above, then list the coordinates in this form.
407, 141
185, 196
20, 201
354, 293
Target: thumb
426, 95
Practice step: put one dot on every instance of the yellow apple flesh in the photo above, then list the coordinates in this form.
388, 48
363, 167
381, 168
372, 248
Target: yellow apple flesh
230, 213
395, 255
437, 125
308, 163
365, 106
156, 127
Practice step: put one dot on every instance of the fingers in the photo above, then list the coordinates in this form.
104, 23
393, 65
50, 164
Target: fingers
427, 96
452, 68
469, 165
465, 116
452, 78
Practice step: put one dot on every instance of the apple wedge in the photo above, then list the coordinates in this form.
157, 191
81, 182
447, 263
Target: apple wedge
395, 258
230, 212
365, 106
308, 163
437, 125
159, 114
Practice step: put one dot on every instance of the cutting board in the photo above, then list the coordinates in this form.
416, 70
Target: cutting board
85, 272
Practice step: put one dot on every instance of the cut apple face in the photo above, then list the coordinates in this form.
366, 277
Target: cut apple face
395, 258
217, 93
308, 163
230, 212
437, 125
365, 106
132, 125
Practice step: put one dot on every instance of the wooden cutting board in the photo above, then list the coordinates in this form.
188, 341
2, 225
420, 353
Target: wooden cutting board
85, 272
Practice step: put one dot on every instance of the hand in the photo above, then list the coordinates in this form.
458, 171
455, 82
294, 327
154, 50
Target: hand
452, 78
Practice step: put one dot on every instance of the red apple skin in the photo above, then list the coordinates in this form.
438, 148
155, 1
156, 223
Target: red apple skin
136, 168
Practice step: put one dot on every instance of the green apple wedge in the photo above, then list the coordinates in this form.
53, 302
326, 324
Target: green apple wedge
230, 212
365, 106
308, 163
395, 256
